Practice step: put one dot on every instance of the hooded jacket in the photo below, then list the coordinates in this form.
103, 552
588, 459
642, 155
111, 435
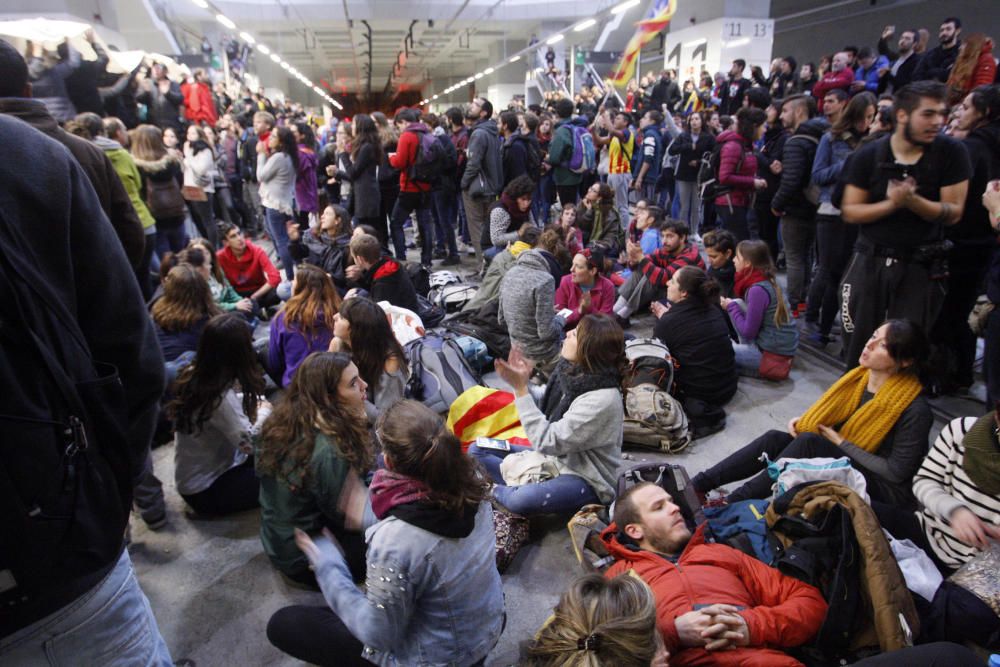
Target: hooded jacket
935, 65
331, 255
164, 108
796, 169
483, 175
527, 297
561, 150
129, 175
406, 155
248, 273
167, 168
741, 182
388, 280
517, 153
100, 172
779, 611
199, 107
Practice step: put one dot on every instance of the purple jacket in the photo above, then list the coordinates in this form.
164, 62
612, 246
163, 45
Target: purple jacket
288, 347
306, 194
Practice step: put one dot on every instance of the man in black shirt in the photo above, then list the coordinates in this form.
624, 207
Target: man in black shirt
936, 64
902, 190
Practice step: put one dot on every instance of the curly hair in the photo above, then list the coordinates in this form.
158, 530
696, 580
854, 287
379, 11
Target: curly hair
186, 300
309, 408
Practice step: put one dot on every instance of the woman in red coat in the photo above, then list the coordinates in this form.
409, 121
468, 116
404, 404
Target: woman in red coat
199, 107
973, 67
737, 171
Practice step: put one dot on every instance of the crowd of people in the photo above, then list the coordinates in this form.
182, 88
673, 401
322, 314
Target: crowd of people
872, 181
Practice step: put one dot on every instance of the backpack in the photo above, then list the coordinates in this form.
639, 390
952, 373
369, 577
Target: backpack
533, 160
430, 314
708, 173
673, 479
439, 371
430, 162
654, 420
449, 164
583, 157
420, 278
164, 199
649, 363
483, 325
452, 298
66, 463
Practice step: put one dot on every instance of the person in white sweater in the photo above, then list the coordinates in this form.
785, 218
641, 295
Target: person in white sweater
277, 164
576, 426
199, 181
215, 422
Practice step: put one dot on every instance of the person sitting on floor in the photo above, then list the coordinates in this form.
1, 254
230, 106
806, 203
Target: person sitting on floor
715, 605
225, 296
304, 324
182, 312
327, 247
577, 425
645, 228
489, 289
248, 268
433, 594
650, 274
585, 290
761, 314
362, 330
218, 407
527, 295
600, 621
873, 414
566, 223
313, 456
695, 330
507, 215
599, 220
720, 247
958, 488
384, 278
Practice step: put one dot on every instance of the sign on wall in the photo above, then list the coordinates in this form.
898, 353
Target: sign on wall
712, 46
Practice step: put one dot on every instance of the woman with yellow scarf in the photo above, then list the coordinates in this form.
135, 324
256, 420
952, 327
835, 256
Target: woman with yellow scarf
873, 414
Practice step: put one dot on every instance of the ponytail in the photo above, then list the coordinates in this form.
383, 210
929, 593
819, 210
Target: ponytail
781, 314
699, 286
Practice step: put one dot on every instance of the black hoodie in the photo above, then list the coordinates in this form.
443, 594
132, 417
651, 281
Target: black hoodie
983, 144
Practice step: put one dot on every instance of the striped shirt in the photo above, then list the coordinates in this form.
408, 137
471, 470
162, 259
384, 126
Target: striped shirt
941, 486
620, 153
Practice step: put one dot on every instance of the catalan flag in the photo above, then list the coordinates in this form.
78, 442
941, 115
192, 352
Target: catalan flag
656, 20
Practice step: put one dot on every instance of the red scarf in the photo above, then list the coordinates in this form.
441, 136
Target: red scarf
390, 489
745, 279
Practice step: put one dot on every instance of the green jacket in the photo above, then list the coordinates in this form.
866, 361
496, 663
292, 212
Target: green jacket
129, 174
223, 293
560, 151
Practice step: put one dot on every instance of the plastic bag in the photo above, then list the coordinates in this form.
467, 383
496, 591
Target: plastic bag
788, 472
922, 576
979, 577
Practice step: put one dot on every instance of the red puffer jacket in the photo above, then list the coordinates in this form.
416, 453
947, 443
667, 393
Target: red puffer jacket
741, 182
780, 611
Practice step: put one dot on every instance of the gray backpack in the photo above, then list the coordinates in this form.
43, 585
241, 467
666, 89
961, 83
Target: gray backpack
439, 371
655, 420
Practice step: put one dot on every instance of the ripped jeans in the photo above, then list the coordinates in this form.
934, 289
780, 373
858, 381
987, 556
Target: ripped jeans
564, 494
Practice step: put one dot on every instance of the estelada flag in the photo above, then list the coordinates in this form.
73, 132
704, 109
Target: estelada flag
657, 19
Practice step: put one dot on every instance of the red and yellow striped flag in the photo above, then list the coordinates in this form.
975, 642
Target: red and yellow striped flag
656, 20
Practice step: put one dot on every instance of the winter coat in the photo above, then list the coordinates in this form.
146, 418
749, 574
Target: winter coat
731, 98
165, 170
331, 255
983, 145
199, 166
489, 289
742, 182
831, 154
796, 169
561, 150
361, 173
982, 75
831, 80
389, 281
772, 150
111, 194
936, 63
602, 229
129, 175
527, 297
870, 75
688, 150
48, 83
515, 154
780, 612
483, 175
882, 583
277, 182
698, 340
568, 295
306, 193
651, 154
83, 83
406, 155
163, 108
199, 107
904, 73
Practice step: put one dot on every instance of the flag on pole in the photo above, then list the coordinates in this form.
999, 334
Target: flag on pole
656, 20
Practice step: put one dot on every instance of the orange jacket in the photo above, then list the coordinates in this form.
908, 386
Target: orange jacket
780, 611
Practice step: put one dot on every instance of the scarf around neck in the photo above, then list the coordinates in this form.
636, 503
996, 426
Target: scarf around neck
568, 382
517, 216
982, 455
868, 425
390, 489
746, 279
408, 499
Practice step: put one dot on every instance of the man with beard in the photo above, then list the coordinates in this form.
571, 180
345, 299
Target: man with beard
840, 77
902, 190
904, 63
714, 604
936, 63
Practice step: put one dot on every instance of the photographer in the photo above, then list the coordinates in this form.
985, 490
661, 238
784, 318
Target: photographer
902, 190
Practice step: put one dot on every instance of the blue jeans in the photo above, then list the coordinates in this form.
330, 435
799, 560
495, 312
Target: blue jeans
447, 212
747, 359
564, 494
405, 203
275, 221
541, 203
111, 624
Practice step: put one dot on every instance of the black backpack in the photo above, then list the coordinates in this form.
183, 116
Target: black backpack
709, 186
65, 462
430, 160
449, 166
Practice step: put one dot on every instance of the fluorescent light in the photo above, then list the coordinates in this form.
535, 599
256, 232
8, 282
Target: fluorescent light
248, 38
559, 36
488, 70
736, 42
479, 75
285, 65
226, 21
435, 97
275, 57
201, 3
263, 49
514, 59
586, 24
694, 43
625, 6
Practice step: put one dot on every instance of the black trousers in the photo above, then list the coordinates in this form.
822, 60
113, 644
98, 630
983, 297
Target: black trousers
734, 220
834, 239
955, 341
236, 490
568, 194
767, 229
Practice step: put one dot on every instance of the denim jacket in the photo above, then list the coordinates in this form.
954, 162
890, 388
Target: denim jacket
430, 600
831, 154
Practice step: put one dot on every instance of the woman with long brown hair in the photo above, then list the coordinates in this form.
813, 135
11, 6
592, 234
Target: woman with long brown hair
181, 313
433, 595
162, 177
974, 66
360, 166
199, 181
598, 219
313, 456
218, 406
304, 324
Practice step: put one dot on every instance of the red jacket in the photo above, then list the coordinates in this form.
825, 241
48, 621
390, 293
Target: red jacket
198, 103
661, 266
780, 611
405, 157
733, 146
248, 273
842, 79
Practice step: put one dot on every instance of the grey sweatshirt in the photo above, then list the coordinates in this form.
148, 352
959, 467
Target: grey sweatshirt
586, 442
527, 303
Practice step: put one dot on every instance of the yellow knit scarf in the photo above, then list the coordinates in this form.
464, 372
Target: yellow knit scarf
868, 426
